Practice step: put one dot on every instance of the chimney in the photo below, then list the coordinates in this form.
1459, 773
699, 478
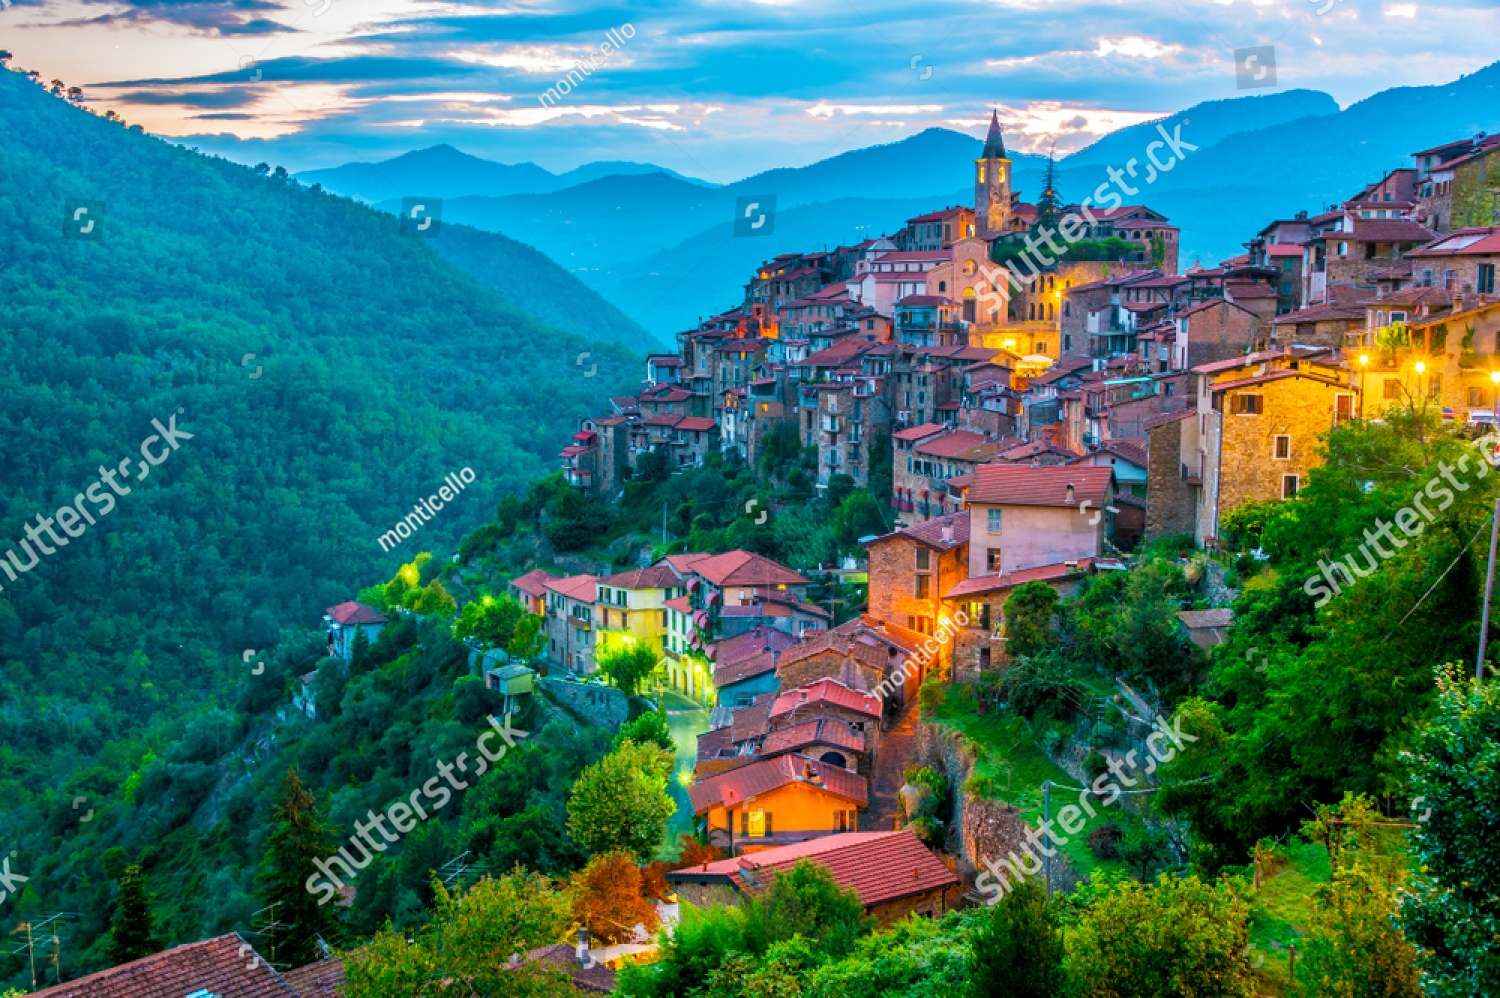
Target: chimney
582, 952
948, 533
811, 775
1071, 492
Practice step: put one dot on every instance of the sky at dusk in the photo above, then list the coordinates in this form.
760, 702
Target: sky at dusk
717, 90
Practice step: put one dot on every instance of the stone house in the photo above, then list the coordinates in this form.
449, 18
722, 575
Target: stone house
910, 569
1259, 420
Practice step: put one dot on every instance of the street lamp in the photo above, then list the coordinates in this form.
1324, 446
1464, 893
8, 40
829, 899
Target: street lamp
1364, 362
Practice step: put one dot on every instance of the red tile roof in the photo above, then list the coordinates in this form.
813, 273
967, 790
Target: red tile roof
225, 965
744, 568
1387, 230
746, 783
1041, 573
1045, 485
943, 532
695, 423
961, 445
818, 731
1477, 241
682, 562
324, 979
653, 577
919, 431
533, 583
1251, 359
758, 664
355, 613
579, 587
825, 691
752, 721
878, 866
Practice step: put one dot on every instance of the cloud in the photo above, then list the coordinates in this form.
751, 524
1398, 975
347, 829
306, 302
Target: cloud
211, 17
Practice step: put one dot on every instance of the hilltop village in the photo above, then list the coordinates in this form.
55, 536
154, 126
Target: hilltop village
1045, 417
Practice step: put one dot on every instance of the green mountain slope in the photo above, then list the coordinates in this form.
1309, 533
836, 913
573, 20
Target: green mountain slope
330, 373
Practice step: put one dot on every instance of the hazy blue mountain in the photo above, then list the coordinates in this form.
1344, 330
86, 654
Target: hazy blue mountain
1207, 123
445, 172
1223, 193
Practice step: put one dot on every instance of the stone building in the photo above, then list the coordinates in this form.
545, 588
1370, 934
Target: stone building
912, 567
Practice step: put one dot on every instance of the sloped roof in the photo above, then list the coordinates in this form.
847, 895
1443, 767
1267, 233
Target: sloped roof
579, 587
324, 979
768, 775
596, 977
878, 866
745, 568
825, 691
818, 731
1008, 580
943, 532
919, 431
1044, 485
351, 612
225, 965
758, 664
534, 582
656, 576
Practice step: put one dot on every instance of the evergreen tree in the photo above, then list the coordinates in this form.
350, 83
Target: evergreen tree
298, 839
1017, 948
131, 936
1048, 206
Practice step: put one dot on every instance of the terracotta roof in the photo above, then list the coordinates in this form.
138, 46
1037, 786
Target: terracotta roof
324, 979
825, 691
1194, 619
715, 743
682, 604
683, 562
1045, 485
1250, 359
742, 669
963, 445
878, 866
924, 301
225, 965
818, 731
1008, 580
743, 568
746, 783
695, 423
1329, 311
1387, 230
355, 613
752, 721
1131, 450
1283, 249
561, 957
1254, 379
932, 533
1162, 419
919, 431
653, 577
533, 583
752, 642
1461, 242
579, 587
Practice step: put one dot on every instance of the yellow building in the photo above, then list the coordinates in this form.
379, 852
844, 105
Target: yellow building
776, 801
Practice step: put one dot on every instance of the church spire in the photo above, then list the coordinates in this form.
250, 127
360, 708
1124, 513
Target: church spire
994, 145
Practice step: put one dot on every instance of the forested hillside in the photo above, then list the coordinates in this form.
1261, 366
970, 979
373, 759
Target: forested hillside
323, 373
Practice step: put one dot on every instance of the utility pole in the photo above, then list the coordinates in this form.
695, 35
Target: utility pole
1046, 821
1489, 586
664, 522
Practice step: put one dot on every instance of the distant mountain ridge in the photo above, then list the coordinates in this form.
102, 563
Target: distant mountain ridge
1257, 156
446, 172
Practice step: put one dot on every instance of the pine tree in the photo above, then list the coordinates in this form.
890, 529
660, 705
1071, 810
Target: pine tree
131, 935
1048, 206
297, 841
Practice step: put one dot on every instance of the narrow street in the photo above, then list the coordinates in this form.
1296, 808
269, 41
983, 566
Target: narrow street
896, 747
686, 720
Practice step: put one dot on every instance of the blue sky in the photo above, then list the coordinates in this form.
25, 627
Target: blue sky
717, 90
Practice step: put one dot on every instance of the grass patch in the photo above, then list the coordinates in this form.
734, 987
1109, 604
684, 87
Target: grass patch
1012, 767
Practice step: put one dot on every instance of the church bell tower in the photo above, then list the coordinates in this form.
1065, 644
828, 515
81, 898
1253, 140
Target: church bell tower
992, 184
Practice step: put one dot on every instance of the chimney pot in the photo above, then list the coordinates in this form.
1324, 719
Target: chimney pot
584, 959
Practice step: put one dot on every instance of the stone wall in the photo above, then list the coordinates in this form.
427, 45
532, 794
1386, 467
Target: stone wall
1169, 498
1476, 188
595, 702
1299, 407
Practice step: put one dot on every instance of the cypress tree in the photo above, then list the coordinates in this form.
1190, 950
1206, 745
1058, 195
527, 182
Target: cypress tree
298, 839
131, 935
